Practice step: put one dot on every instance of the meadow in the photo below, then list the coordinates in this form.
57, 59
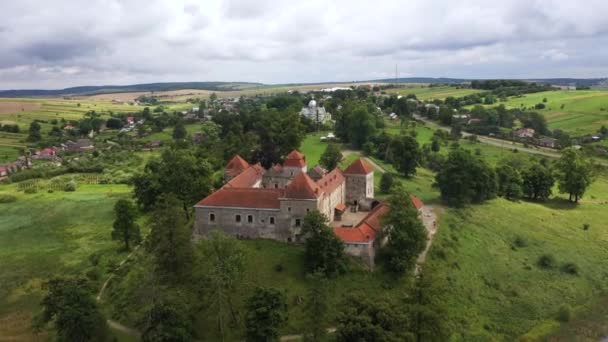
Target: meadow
577, 112
50, 234
425, 93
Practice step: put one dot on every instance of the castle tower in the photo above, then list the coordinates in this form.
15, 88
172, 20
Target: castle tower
359, 182
294, 163
235, 166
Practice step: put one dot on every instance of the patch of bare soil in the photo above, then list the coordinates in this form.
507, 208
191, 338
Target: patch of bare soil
17, 107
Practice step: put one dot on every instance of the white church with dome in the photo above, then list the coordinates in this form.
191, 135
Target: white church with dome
315, 113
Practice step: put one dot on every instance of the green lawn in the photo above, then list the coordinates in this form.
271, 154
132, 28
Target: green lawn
583, 112
497, 291
8, 154
47, 234
313, 148
432, 93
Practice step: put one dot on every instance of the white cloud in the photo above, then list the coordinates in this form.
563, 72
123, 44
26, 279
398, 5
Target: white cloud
117, 41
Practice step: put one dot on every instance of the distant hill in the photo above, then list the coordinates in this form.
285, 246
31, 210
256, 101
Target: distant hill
224, 86
95, 90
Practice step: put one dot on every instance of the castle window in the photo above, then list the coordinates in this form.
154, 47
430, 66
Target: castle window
288, 209
211, 217
249, 218
238, 218
307, 210
298, 222
276, 185
271, 220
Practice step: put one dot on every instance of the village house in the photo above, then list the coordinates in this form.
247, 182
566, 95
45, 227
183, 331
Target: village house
49, 153
271, 203
78, 146
547, 142
524, 133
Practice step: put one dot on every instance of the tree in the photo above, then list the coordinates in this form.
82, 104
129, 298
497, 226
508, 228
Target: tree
223, 266
574, 174
181, 172
364, 319
316, 308
213, 97
279, 133
34, 132
537, 182
465, 179
331, 157
435, 145
509, 182
167, 323
426, 312
114, 123
361, 126
266, 314
170, 239
386, 182
179, 132
406, 155
406, 234
324, 251
125, 228
70, 305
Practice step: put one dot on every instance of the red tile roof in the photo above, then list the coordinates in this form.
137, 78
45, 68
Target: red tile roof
340, 207
416, 202
295, 159
247, 178
359, 167
367, 230
302, 187
237, 163
329, 182
254, 198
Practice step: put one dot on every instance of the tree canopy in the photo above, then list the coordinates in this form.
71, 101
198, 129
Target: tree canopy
324, 250
266, 314
574, 174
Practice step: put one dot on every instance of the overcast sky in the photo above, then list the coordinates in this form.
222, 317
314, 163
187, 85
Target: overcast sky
61, 43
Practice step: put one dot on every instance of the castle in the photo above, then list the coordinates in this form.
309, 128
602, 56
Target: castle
272, 203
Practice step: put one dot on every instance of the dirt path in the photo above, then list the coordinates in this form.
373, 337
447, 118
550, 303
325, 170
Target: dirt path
429, 219
123, 329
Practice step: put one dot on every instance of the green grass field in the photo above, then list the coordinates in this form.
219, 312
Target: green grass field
432, 93
497, 291
47, 234
583, 112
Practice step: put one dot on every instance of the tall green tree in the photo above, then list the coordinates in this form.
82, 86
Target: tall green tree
34, 132
70, 305
426, 311
170, 239
223, 269
279, 133
386, 182
125, 228
324, 251
406, 234
510, 182
317, 308
179, 132
331, 157
181, 172
537, 182
406, 155
361, 126
365, 319
574, 174
465, 179
167, 323
266, 314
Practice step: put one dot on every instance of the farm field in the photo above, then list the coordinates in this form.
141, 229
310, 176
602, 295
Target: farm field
48, 234
488, 255
583, 111
432, 93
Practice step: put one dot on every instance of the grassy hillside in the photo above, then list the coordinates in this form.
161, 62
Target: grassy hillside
48, 234
489, 253
577, 112
432, 93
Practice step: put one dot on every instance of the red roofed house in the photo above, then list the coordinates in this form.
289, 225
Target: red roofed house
259, 203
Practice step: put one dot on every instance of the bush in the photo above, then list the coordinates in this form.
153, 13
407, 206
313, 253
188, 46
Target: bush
386, 182
546, 261
520, 242
563, 315
7, 199
70, 186
570, 268
31, 190
278, 268
586, 226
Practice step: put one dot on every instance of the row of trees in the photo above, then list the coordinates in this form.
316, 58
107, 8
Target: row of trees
464, 178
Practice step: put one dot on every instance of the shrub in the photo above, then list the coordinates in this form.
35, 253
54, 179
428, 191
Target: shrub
546, 261
31, 190
570, 268
586, 226
520, 242
70, 186
563, 315
7, 199
278, 268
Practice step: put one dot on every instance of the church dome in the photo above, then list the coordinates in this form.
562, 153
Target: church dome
312, 103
